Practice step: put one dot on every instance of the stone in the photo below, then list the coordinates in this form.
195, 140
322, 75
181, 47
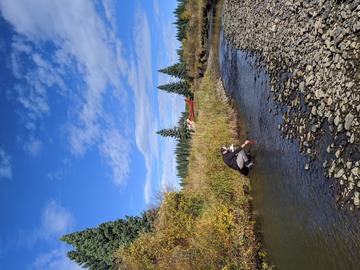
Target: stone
339, 173
337, 120
349, 165
307, 167
319, 93
349, 118
339, 128
355, 171
329, 101
352, 138
313, 110
338, 153
356, 198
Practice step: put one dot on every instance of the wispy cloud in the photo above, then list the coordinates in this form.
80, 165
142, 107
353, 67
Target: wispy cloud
116, 151
140, 79
33, 146
83, 47
54, 260
156, 6
5, 165
55, 220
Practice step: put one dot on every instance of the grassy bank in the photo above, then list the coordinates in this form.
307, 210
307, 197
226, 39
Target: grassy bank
208, 224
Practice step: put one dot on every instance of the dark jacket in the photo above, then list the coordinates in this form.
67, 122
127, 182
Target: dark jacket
230, 160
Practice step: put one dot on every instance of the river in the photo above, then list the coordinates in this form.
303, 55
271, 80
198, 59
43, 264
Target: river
301, 224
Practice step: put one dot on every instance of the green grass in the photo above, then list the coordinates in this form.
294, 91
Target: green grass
208, 224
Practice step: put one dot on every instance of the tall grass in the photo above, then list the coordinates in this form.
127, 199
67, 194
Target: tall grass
207, 225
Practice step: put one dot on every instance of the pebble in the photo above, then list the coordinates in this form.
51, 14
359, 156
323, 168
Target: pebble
355, 171
306, 167
349, 118
339, 173
356, 198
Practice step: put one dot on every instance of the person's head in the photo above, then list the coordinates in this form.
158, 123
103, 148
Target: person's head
223, 150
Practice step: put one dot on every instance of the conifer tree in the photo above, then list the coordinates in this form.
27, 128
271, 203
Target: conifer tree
181, 88
94, 247
177, 70
170, 132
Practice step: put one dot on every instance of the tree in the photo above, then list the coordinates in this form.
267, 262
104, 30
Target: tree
170, 132
181, 88
94, 247
175, 132
177, 70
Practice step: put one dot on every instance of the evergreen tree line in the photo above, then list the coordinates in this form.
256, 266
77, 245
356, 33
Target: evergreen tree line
182, 151
94, 247
182, 87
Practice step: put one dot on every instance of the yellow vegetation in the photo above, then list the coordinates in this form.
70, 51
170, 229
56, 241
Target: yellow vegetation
194, 50
207, 225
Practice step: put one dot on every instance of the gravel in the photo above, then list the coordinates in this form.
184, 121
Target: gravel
318, 43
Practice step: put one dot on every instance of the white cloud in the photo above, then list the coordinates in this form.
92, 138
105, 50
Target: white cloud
5, 165
82, 44
33, 146
54, 260
55, 220
156, 6
140, 79
116, 151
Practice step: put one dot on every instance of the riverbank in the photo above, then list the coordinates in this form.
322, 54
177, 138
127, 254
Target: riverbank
208, 224
317, 47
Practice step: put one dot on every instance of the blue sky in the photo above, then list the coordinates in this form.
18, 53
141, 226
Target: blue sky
79, 110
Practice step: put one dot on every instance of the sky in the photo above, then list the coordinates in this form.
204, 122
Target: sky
79, 110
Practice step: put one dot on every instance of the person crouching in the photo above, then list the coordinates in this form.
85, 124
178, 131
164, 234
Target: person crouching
237, 158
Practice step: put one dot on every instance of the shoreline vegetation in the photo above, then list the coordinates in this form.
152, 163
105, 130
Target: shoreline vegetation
208, 224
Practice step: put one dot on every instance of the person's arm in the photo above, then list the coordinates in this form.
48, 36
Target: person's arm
246, 142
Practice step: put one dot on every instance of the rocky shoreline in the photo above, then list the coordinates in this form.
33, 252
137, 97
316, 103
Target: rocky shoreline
311, 49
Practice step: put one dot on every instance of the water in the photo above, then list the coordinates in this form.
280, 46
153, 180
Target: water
302, 226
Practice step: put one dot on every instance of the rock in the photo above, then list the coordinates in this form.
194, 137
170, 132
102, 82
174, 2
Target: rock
355, 171
329, 101
338, 153
356, 198
339, 128
313, 128
319, 93
313, 110
339, 173
349, 165
349, 118
328, 149
307, 167
337, 120
352, 138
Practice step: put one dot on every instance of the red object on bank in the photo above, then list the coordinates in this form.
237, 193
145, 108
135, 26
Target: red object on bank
190, 103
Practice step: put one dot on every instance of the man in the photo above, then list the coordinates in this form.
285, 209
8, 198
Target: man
237, 159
